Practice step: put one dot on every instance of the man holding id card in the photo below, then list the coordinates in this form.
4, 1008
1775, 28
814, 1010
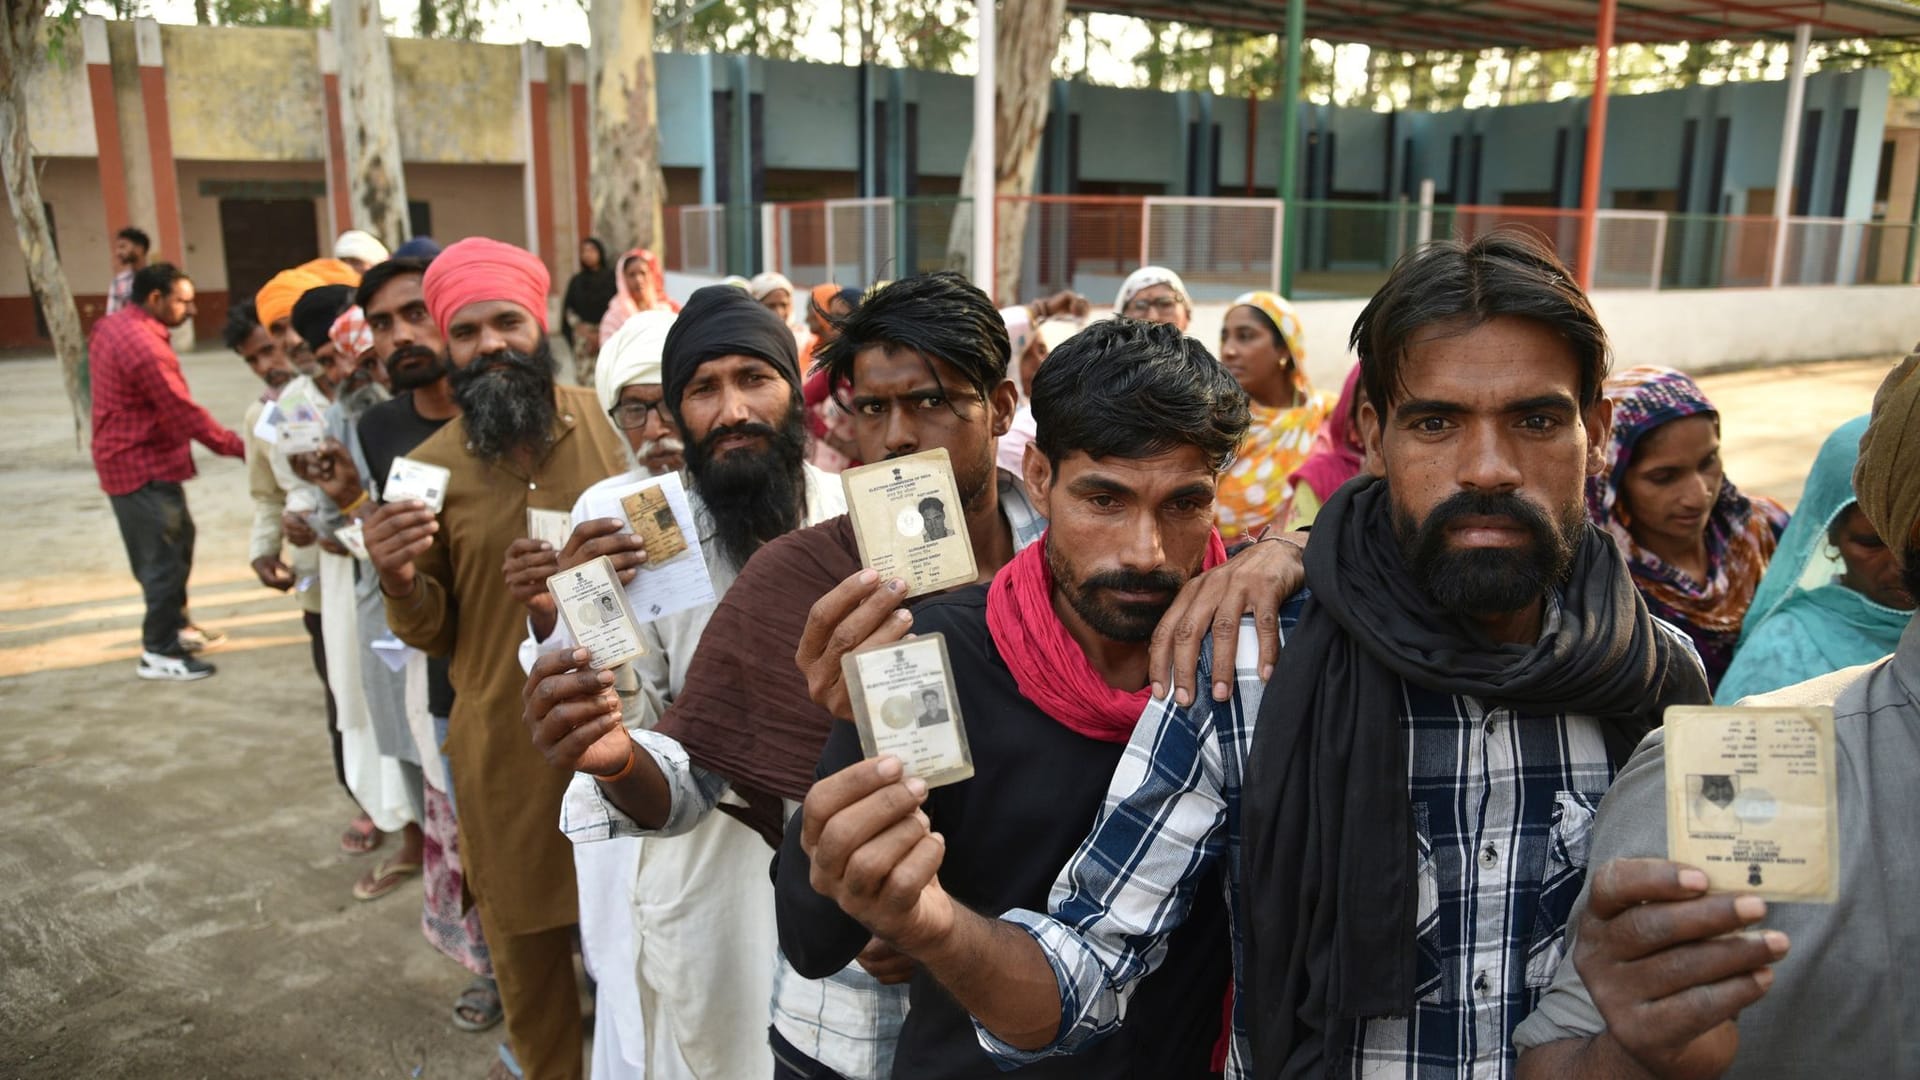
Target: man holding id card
1800, 962
518, 437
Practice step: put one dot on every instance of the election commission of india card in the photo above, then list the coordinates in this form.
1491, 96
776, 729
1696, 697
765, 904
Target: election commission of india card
410, 479
1751, 799
553, 527
651, 518
908, 521
594, 605
904, 704
663, 585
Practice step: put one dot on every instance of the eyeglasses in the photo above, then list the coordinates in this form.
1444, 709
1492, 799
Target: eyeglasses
1159, 305
632, 415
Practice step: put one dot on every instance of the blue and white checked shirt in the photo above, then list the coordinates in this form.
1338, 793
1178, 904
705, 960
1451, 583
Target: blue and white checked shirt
1503, 808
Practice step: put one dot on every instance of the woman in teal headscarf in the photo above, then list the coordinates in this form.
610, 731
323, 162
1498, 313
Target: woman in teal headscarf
1832, 596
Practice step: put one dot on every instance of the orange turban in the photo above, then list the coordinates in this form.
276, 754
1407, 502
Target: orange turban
476, 270
276, 298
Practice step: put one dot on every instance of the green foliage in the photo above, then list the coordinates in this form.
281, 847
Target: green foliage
765, 28
293, 13
453, 20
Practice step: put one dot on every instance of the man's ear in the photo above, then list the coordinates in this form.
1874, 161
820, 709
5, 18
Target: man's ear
1005, 401
1598, 419
1371, 437
1037, 471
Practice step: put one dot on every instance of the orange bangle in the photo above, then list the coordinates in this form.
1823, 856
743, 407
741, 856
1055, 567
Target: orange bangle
633, 756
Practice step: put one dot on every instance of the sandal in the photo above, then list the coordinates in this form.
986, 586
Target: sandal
478, 1006
383, 879
361, 836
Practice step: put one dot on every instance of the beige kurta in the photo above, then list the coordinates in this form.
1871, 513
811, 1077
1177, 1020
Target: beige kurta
509, 797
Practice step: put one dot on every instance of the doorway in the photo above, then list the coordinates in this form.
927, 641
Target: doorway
262, 237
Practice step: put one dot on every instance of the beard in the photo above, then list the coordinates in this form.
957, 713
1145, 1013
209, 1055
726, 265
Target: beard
1489, 581
357, 401
507, 401
405, 374
1131, 622
753, 496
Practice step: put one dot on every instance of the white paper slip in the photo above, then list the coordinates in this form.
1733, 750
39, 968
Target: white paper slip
410, 479
353, 537
905, 705
595, 610
553, 526
267, 428
393, 652
302, 437
677, 584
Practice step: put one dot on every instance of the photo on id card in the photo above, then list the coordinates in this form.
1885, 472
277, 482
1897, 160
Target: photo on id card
410, 479
904, 705
908, 521
594, 605
1751, 799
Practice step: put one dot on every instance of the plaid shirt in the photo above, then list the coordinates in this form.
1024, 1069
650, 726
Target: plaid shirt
1503, 809
144, 420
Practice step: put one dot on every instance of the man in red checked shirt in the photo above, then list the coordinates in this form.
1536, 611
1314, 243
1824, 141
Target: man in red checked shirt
143, 425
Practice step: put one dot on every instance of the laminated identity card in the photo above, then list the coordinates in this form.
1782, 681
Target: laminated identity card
904, 704
594, 606
410, 479
553, 526
908, 521
651, 517
1751, 799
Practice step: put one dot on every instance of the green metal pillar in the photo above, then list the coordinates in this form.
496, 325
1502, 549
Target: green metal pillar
1285, 185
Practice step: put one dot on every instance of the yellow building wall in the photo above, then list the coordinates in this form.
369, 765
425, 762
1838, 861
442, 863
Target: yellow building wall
244, 94
59, 105
458, 102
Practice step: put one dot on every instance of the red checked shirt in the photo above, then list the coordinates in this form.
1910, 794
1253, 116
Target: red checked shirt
144, 420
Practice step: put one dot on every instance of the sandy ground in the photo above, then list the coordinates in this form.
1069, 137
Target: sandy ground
172, 898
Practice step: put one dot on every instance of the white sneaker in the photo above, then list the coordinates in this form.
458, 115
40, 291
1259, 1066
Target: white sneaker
173, 668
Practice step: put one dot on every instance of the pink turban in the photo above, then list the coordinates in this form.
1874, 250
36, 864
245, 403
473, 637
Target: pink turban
476, 270
351, 336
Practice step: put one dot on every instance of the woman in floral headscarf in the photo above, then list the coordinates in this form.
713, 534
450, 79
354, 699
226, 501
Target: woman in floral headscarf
1262, 344
1697, 547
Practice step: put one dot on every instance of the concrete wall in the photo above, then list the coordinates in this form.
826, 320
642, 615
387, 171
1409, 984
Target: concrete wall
460, 103
243, 94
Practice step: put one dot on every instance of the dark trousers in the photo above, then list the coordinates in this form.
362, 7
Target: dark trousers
790, 1064
158, 532
319, 643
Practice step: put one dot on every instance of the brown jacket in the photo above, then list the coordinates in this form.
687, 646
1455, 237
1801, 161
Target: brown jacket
515, 857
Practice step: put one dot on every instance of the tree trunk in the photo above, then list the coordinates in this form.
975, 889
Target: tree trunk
200, 13
376, 180
21, 53
624, 181
1028, 34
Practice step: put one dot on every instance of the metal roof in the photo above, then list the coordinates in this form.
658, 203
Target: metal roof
1472, 25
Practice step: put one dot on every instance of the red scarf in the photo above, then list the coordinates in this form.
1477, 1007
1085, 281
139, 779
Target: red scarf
1047, 663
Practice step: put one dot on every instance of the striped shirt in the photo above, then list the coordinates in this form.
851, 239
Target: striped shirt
1502, 804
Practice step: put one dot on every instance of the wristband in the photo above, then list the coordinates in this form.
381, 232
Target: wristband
633, 756
355, 504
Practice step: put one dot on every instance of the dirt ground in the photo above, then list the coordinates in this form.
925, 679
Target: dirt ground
173, 901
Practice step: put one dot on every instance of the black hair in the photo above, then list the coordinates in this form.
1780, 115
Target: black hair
379, 274
242, 319
941, 315
1509, 271
136, 236
597, 246
1910, 569
1132, 389
155, 278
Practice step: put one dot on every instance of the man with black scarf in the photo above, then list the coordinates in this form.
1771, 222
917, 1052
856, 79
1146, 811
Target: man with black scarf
730, 374
1403, 832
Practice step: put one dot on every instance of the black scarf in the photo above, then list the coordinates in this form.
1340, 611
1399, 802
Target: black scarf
1328, 861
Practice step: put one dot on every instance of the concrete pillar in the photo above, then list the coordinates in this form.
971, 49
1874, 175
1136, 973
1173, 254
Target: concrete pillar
168, 241
579, 125
339, 188
538, 183
106, 122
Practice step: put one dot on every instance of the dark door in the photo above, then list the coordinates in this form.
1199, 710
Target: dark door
262, 237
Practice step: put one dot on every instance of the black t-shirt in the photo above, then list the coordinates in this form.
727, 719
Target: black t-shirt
389, 430
1036, 788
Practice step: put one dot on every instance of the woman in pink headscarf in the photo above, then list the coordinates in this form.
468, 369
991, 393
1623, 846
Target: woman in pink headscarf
1336, 456
640, 286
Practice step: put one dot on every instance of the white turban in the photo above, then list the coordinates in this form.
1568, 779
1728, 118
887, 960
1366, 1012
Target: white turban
631, 357
765, 285
357, 244
1146, 278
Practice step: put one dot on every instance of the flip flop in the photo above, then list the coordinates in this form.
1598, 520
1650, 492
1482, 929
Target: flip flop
384, 878
356, 840
478, 1006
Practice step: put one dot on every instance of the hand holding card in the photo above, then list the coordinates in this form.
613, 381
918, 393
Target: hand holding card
416, 480
594, 606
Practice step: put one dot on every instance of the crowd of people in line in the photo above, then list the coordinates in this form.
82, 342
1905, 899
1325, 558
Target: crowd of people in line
1291, 711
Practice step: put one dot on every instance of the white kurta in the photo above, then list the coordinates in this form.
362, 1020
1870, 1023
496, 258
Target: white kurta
679, 931
375, 780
